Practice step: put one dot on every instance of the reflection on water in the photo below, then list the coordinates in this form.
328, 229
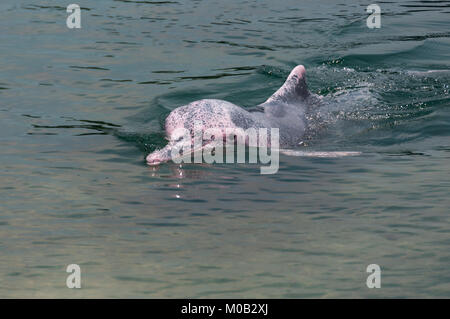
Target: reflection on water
80, 110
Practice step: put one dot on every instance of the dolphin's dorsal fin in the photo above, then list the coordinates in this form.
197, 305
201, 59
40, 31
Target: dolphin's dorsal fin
293, 89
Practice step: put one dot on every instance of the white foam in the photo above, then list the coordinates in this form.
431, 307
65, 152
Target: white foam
319, 154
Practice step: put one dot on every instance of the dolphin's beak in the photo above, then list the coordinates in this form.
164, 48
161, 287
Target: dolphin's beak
152, 161
159, 156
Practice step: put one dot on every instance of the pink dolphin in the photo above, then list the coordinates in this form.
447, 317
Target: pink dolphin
284, 110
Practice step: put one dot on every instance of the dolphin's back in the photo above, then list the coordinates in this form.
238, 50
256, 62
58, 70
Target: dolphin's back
211, 113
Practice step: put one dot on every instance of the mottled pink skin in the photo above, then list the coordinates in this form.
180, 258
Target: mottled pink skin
212, 113
284, 110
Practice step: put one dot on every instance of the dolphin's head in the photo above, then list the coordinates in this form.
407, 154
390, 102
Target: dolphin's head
159, 156
180, 143
294, 88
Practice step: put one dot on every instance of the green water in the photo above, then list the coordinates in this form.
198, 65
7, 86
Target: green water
80, 110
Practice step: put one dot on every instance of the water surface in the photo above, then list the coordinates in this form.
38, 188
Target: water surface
80, 110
